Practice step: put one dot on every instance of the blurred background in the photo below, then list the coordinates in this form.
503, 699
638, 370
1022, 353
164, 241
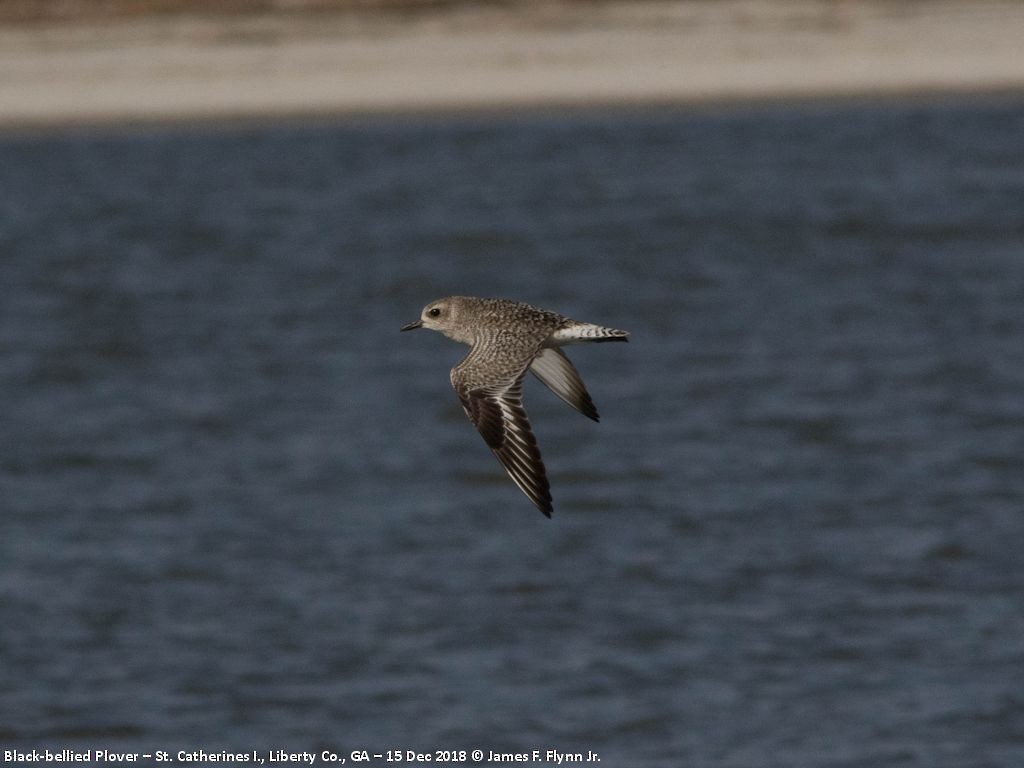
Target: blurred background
239, 510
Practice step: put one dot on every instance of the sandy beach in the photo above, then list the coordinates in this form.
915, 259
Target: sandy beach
184, 66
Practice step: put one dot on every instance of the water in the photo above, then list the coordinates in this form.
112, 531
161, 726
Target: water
241, 511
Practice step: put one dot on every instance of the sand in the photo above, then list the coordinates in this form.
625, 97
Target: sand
551, 54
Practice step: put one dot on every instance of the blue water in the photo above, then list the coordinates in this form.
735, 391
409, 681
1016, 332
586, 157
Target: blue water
240, 510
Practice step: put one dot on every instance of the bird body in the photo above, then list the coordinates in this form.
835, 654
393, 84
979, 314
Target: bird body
507, 339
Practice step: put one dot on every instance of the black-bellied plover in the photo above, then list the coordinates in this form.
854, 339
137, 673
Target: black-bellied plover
509, 338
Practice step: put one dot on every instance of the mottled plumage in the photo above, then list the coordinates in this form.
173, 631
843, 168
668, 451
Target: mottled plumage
507, 339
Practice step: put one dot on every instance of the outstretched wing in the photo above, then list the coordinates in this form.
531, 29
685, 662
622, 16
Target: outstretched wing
559, 375
496, 409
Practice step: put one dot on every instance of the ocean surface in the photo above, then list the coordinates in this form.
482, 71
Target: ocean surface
240, 511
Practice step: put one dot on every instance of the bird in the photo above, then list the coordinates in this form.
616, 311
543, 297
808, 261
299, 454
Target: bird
507, 339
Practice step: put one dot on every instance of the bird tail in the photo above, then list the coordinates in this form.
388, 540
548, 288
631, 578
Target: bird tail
609, 334
579, 332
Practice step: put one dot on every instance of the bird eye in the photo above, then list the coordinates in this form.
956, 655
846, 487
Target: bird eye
434, 312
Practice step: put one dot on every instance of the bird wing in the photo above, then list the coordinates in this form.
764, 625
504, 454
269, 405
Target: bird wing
559, 375
494, 403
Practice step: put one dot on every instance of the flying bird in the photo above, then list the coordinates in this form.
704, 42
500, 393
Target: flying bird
507, 339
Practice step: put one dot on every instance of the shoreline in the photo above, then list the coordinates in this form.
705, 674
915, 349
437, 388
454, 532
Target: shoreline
487, 60
106, 125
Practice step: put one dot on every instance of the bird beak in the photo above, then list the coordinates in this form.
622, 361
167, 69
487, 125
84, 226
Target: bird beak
412, 326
